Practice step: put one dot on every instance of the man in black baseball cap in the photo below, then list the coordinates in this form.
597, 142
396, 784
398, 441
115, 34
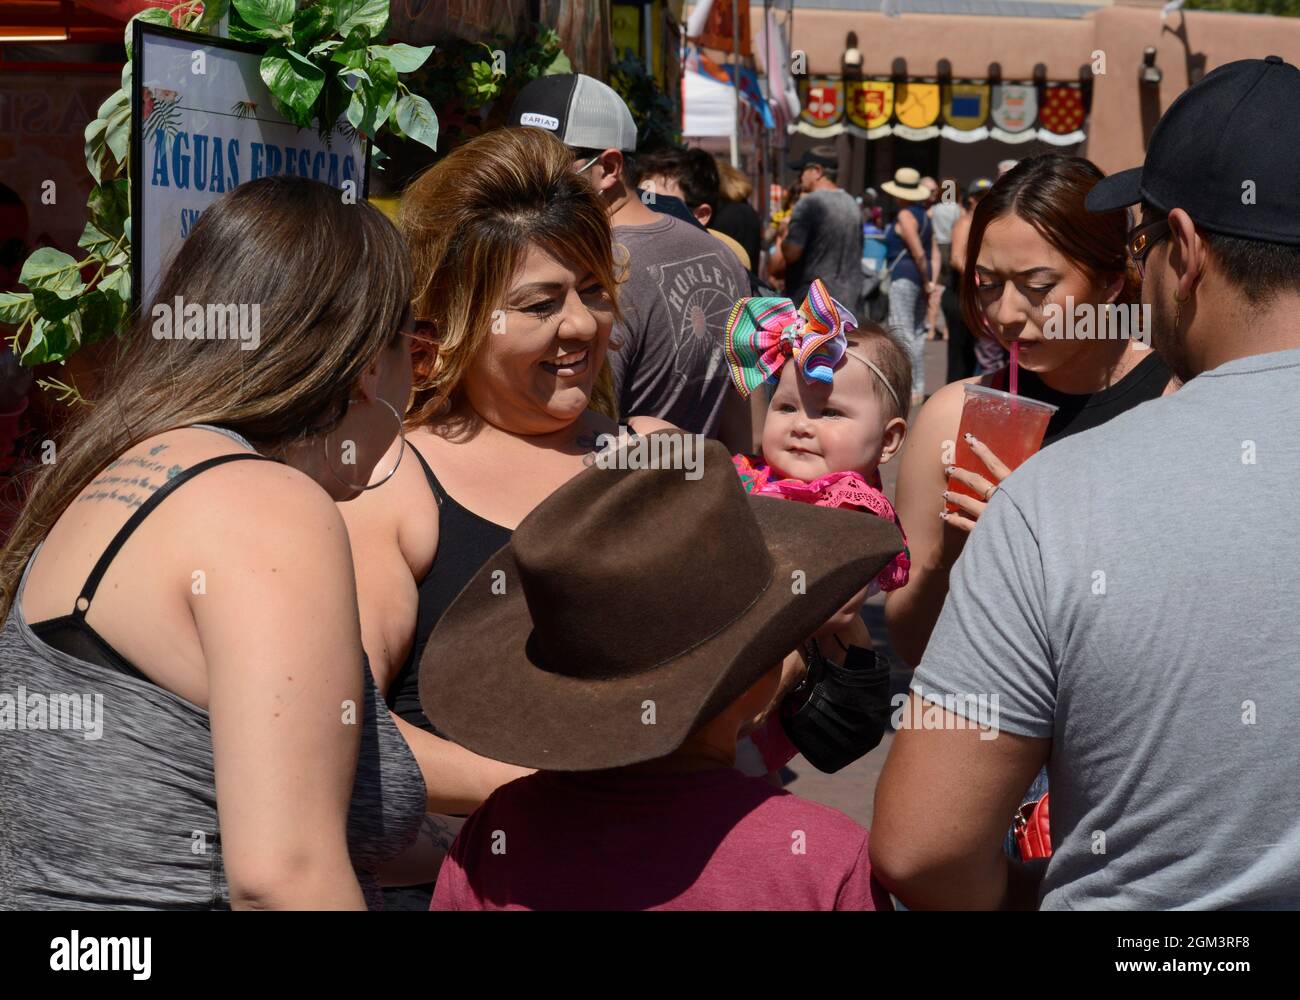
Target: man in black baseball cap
1128, 600
1219, 235
818, 156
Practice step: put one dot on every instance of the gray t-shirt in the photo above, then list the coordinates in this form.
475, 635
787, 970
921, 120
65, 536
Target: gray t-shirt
828, 225
680, 288
1131, 595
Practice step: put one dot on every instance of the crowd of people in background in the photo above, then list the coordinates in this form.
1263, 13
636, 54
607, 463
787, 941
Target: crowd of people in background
497, 658
912, 258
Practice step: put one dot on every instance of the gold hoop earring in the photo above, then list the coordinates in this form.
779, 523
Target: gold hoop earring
401, 433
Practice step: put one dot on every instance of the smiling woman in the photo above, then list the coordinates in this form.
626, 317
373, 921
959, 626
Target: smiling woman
515, 275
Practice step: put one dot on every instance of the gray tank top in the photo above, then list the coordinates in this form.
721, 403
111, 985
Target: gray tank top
108, 796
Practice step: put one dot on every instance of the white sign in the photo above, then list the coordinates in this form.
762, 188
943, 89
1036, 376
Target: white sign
205, 124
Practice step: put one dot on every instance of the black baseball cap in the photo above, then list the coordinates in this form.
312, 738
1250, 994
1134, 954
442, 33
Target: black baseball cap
579, 110
1239, 124
818, 156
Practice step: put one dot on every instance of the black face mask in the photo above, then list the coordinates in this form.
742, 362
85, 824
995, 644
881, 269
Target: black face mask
838, 714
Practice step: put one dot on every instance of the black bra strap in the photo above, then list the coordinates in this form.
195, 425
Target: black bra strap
141, 512
434, 485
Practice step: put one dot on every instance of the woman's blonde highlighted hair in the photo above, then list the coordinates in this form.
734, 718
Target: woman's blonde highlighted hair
469, 220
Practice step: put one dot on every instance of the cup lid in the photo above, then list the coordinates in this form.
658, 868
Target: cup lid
984, 390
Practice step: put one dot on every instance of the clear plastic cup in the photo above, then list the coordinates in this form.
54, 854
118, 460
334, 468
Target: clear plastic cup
1012, 427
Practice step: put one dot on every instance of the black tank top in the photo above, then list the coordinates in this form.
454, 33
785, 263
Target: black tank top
1081, 412
465, 542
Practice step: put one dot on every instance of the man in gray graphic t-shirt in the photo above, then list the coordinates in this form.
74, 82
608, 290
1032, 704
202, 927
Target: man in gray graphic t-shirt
824, 239
680, 288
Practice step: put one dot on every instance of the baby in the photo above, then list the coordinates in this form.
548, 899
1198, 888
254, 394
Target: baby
837, 413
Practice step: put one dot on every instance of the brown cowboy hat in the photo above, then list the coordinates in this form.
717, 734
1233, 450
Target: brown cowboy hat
634, 605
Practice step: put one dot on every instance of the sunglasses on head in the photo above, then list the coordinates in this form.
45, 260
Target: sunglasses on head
1140, 241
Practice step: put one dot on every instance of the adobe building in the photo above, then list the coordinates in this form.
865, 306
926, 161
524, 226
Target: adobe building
952, 87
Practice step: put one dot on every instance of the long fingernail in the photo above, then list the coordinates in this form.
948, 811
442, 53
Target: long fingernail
970, 438
949, 470
945, 494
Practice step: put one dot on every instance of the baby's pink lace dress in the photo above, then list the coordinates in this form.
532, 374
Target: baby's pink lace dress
839, 489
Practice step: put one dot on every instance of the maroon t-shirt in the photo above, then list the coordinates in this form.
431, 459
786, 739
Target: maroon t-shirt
706, 840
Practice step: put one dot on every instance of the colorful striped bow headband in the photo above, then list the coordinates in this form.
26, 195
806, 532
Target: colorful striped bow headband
764, 332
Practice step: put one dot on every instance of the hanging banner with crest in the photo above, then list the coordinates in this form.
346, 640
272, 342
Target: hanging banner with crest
1015, 109
916, 106
870, 104
1061, 116
919, 110
965, 110
822, 98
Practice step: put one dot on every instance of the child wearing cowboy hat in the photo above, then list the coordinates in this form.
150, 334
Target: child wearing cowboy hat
619, 643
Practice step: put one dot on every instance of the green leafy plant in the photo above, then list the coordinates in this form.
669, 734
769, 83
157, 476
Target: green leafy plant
324, 60
473, 85
657, 124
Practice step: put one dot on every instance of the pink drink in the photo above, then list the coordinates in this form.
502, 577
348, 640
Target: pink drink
1012, 427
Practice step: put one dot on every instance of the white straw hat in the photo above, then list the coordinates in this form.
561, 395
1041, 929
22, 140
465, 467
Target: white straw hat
907, 185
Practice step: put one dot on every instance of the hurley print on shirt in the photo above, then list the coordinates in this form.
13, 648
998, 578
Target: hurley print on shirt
699, 293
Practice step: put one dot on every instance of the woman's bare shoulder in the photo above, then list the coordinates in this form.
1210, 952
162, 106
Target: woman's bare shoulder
943, 409
402, 511
261, 490
930, 431
283, 516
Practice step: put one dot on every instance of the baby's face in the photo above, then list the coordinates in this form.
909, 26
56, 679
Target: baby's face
814, 429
